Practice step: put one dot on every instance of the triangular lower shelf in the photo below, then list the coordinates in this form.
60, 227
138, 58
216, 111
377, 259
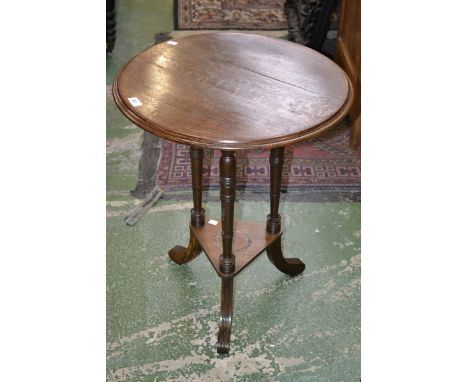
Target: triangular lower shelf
250, 240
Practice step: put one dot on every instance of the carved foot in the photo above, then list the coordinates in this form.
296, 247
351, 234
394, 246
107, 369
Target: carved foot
291, 267
182, 255
225, 318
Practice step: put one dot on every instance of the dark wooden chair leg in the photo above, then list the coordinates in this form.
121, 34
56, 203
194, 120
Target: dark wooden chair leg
179, 254
227, 180
294, 266
111, 30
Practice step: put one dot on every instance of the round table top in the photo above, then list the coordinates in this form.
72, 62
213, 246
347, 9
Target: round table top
232, 91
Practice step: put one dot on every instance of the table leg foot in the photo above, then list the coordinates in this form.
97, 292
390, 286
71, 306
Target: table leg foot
182, 255
291, 267
225, 318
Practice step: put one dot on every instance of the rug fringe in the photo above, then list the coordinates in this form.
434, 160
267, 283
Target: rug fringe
136, 214
151, 197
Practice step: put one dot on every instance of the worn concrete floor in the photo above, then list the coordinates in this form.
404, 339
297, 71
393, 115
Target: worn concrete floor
162, 318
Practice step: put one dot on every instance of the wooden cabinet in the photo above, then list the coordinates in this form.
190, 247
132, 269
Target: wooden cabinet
348, 56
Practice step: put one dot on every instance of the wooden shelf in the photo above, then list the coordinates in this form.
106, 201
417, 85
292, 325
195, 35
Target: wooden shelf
250, 240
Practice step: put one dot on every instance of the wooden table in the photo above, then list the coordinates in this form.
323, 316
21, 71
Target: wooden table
233, 91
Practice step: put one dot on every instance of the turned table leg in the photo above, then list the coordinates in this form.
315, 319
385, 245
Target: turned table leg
292, 267
179, 254
227, 180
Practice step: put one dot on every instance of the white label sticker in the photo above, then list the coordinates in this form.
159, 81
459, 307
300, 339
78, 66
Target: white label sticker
214, 222
172, 42
135, 101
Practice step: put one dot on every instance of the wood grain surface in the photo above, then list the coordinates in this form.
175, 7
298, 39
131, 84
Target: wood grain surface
233, 91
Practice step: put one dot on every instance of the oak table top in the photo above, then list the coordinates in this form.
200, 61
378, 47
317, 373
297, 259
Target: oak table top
232, 91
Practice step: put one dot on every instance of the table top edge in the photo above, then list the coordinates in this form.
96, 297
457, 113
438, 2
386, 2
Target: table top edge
270, 143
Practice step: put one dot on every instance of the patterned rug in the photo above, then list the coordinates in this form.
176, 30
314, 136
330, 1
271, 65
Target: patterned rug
324, 164
231, 14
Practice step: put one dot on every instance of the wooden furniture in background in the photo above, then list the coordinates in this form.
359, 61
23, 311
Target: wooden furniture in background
348, 56
111, 29
309, 21
233, 91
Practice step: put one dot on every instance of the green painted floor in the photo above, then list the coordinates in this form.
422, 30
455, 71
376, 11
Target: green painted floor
162, 318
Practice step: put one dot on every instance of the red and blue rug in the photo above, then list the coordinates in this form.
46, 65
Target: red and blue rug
325, 164
230, 14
